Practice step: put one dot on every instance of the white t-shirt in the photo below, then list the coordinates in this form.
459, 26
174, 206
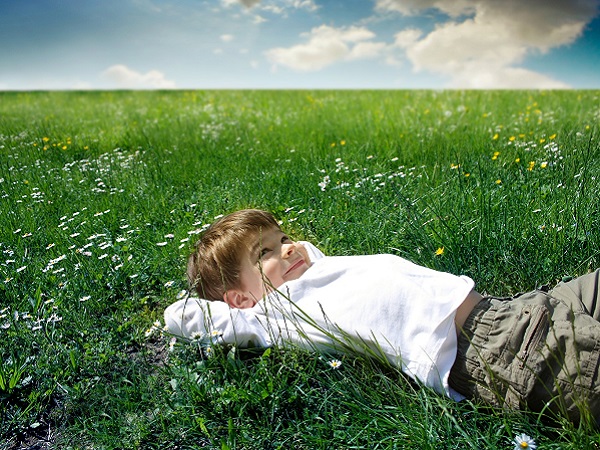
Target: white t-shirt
379, 305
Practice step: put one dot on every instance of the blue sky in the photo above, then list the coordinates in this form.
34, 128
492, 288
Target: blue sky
212, 44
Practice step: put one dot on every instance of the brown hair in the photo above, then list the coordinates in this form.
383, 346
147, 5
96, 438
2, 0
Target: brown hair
214, 266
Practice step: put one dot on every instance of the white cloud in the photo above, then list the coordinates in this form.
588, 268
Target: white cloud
125, 78
246, 3
326, 45
504, 78
305, 4
485, 41
81, 86
407, 38
363, 50
227, 37
276, 6
410, 7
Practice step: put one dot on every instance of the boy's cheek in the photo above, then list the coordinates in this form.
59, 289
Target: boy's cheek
302, 250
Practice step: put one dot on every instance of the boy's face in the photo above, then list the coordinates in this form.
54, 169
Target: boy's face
274, 258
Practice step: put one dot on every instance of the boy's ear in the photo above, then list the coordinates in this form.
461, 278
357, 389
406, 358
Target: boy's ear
237, 299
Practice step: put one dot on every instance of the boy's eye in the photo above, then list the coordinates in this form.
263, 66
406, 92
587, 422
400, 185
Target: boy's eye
284, 239
263, 252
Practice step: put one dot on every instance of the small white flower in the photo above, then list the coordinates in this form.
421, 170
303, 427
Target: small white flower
21, 269
161, 244
169, 236
168, 284
196, 336
335, 363
172, 343
181, 294
522, 441
85, 298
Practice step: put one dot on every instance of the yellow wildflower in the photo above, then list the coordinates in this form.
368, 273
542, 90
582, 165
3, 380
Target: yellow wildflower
439, 251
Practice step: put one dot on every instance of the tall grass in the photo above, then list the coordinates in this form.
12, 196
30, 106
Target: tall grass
103, 194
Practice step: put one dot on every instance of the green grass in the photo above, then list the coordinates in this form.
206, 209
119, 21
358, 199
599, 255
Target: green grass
102, 194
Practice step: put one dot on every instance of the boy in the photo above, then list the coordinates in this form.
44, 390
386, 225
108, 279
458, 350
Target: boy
540, 350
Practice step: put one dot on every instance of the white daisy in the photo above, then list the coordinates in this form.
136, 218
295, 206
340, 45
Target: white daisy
522, 441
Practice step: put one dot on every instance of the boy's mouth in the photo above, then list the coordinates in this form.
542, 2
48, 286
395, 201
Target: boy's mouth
294, 266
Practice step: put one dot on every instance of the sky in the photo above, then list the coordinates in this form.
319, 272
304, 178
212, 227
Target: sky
299, 44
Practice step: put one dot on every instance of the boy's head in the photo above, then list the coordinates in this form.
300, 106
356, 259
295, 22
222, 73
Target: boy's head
243, 255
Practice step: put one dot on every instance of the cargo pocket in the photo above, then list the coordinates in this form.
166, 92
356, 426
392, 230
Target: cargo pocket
527, 361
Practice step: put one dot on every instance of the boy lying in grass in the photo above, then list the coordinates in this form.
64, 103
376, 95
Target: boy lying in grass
539, 350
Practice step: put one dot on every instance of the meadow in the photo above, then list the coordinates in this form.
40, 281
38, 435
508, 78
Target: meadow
104, 193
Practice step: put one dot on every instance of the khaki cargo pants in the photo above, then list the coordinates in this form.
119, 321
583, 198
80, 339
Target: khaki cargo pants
538, 351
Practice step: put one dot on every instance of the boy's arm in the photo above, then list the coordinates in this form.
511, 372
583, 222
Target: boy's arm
214, 322
196, 318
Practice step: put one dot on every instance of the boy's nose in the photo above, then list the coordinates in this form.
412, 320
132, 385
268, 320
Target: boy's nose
288, 250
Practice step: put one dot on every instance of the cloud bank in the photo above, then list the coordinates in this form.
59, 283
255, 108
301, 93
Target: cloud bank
482, 44
325, 46
122, 77
485, 41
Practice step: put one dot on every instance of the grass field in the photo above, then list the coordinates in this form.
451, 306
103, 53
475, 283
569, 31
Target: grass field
104, 193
